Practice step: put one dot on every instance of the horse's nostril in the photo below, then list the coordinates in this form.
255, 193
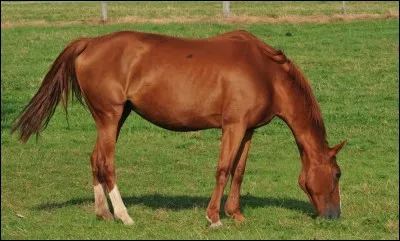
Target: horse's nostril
331, 214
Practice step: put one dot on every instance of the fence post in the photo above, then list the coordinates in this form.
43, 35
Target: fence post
225, 8
343, 7
104, 11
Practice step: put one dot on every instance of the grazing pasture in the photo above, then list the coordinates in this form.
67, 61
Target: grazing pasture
166, 178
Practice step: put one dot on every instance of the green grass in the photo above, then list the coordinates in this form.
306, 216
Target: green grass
166, 178
59, 11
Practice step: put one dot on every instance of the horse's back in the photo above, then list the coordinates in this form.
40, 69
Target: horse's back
177, 83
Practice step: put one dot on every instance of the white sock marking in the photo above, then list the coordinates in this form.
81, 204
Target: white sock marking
120, 211
100, 199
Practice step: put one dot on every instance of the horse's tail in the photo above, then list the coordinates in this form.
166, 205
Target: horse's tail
56, 86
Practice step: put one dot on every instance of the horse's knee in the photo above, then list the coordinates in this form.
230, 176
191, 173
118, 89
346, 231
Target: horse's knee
238, 178
302, 181
222, 175
238, 174
239, 170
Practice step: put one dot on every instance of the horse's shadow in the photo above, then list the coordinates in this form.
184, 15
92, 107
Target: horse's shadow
179, 202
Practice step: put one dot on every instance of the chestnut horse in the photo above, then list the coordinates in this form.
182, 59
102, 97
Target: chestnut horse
232, 81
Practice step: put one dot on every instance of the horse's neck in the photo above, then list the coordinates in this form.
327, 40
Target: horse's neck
312, 146
309, 135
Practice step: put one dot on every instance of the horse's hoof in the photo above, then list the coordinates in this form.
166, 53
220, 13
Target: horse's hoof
238, 217
126, 220
214, 225
105, 216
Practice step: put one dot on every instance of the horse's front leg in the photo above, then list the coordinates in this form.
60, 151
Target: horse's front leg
232, 207
232, 135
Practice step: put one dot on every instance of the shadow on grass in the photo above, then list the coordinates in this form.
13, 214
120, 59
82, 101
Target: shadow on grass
156, 201
9, 111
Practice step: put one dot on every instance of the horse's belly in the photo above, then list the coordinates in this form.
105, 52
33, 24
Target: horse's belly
179, 113
180, 121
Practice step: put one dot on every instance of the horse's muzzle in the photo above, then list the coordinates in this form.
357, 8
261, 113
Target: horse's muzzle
332, 213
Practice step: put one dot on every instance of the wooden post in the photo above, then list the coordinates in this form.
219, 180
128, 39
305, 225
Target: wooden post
225, 8
343, 7
104, 12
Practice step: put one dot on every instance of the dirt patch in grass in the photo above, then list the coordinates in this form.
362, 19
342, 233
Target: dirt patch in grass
230, 20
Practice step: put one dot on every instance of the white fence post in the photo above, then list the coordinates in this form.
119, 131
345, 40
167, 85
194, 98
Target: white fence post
343, 7
225, 8
104, 11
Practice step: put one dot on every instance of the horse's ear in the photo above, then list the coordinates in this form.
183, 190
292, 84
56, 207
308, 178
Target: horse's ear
334, 150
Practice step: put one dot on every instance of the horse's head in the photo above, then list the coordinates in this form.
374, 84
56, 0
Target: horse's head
320, 181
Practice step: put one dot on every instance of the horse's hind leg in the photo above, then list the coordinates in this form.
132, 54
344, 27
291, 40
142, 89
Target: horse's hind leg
100, 200
97, 160
232, 207
108, 125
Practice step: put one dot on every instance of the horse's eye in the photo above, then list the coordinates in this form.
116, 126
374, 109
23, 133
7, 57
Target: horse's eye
338, 174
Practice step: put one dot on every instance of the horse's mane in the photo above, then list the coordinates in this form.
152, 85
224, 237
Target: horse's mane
300, 82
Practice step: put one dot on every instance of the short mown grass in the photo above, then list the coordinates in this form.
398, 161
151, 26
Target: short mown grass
166, 178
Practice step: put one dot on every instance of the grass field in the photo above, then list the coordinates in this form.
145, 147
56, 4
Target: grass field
42, 13
166, 178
